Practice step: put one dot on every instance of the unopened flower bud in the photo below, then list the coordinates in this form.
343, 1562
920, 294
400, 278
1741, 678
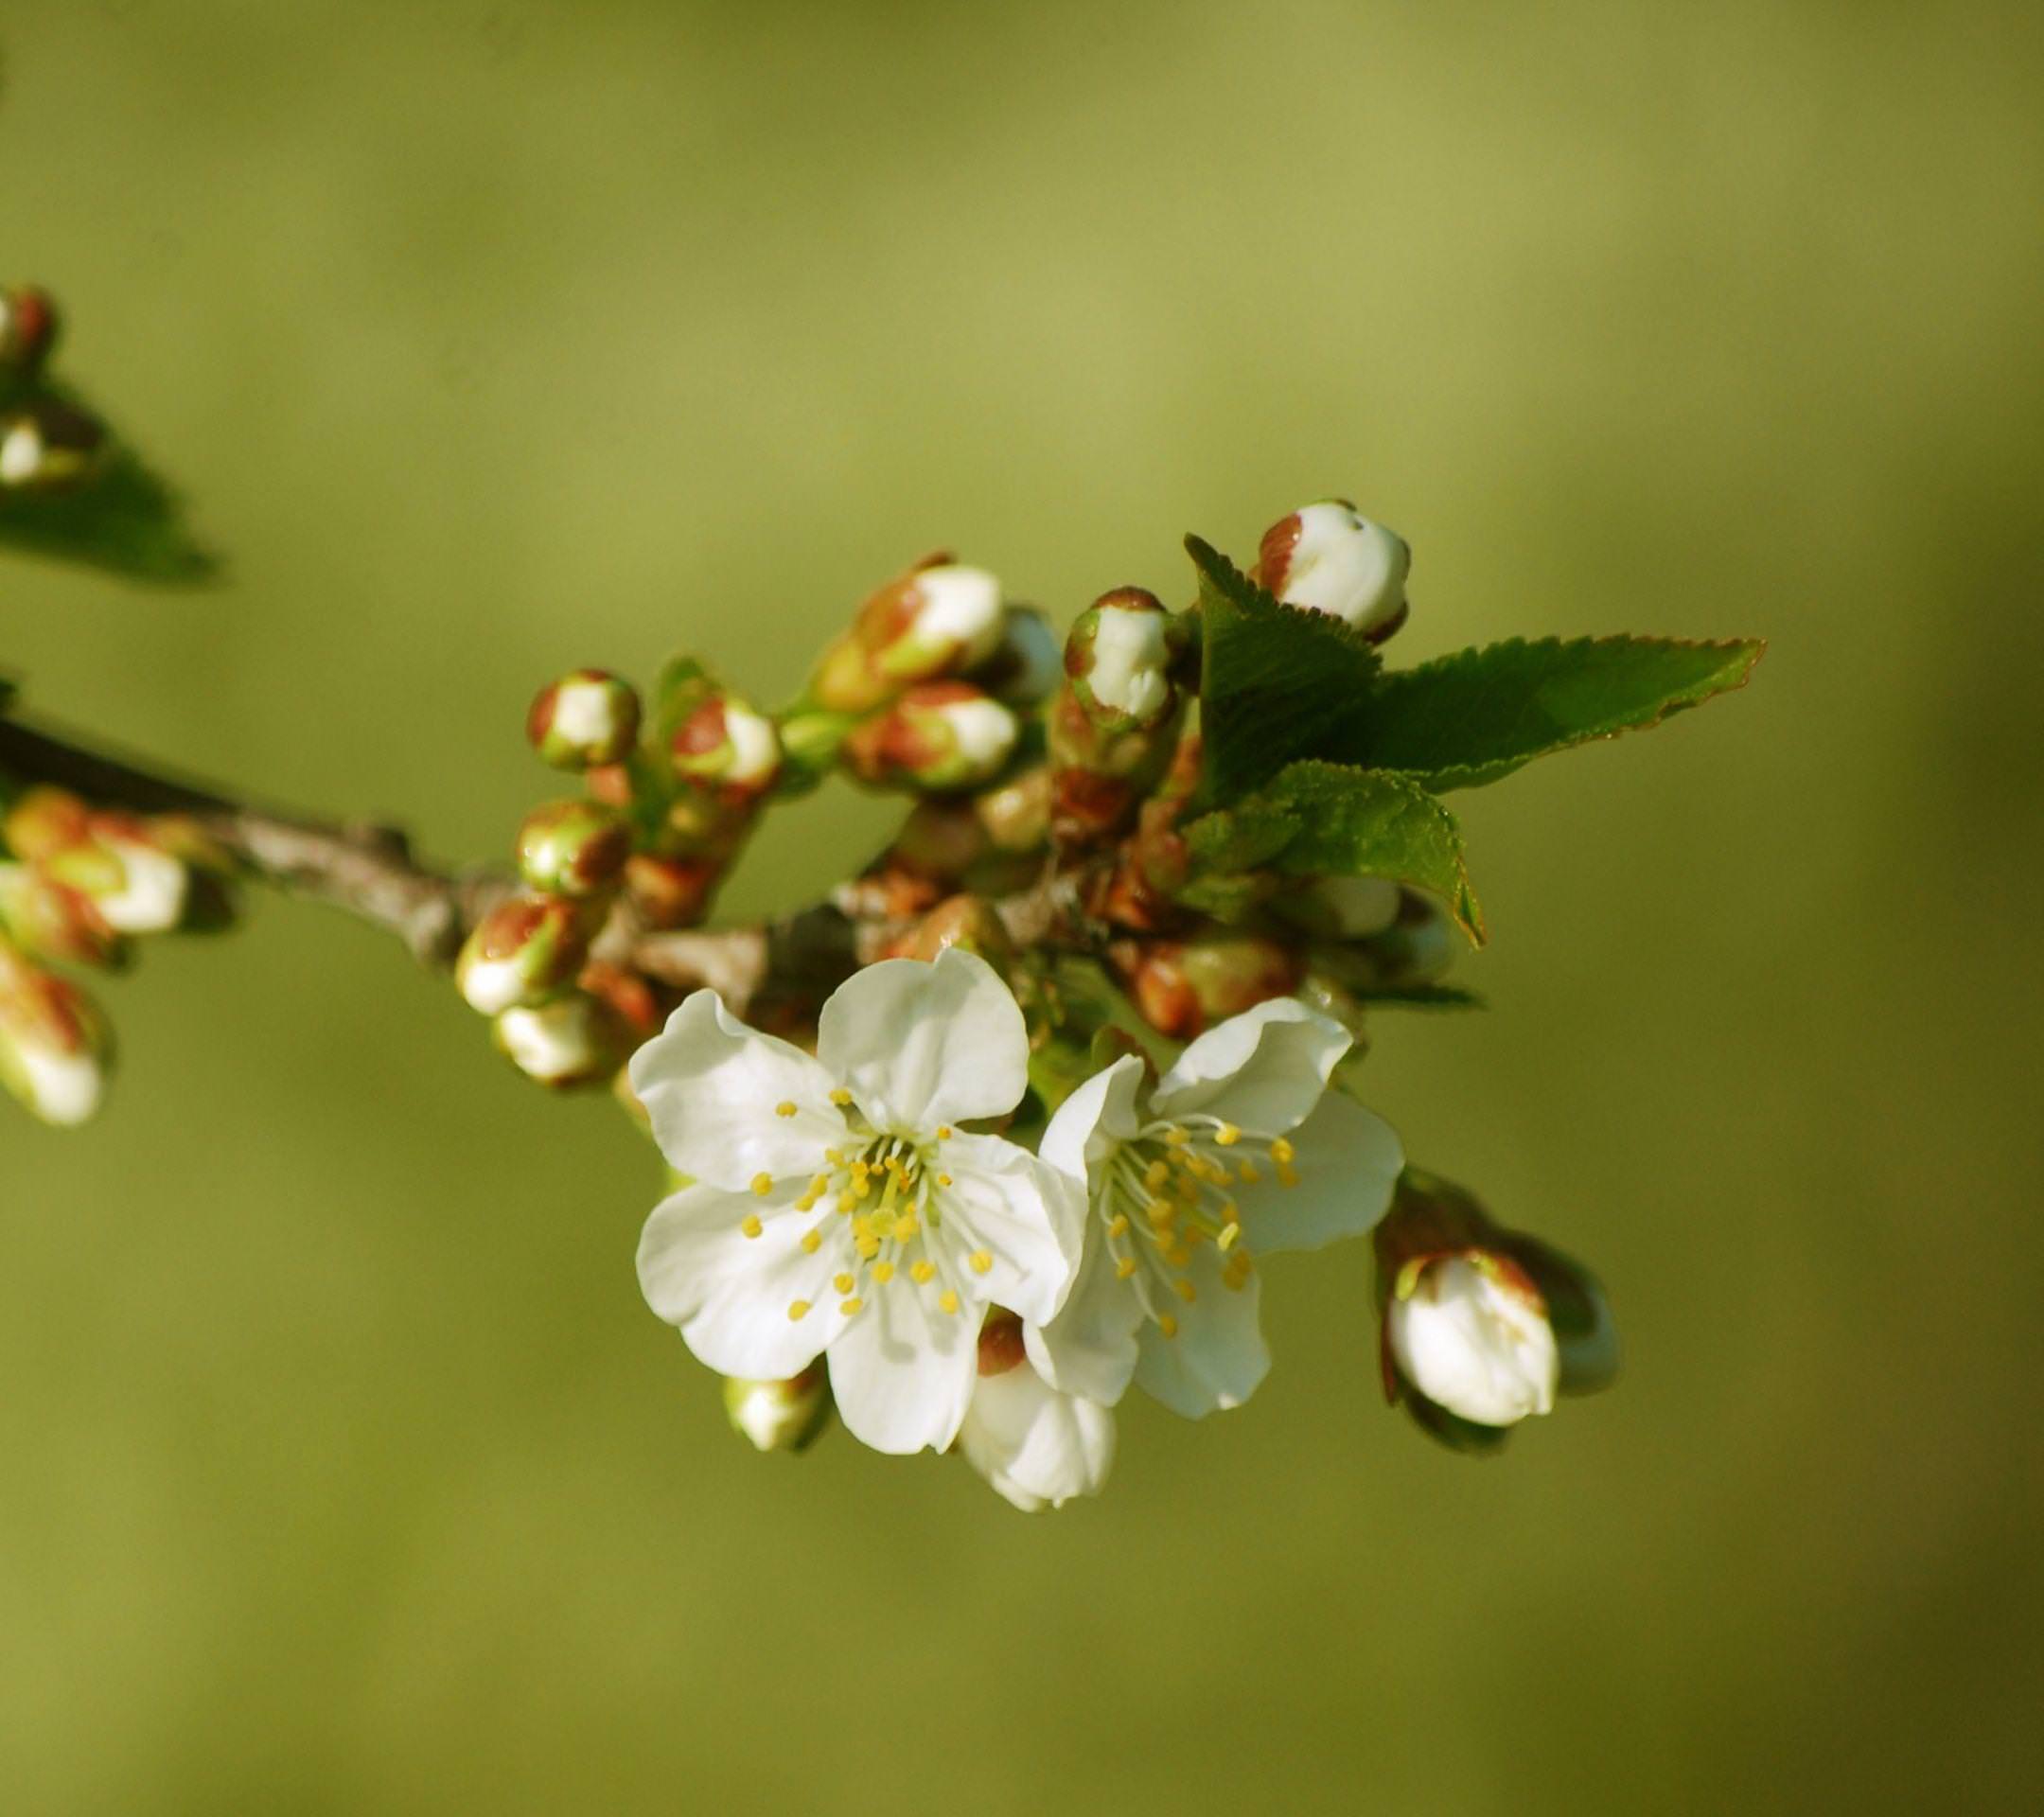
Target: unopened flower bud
969, 922
55, 1047
575, 848
1182, 987
52, 920
941, 735
137, 886
938, 619
669, 892
44, 819
574, 1040
522, 952
1119, 659
46, 445
1344, 907
28, 328
1017, 813
1470, 1333
1027, 663
589, 717
1327, 557
725, 743
780, 1415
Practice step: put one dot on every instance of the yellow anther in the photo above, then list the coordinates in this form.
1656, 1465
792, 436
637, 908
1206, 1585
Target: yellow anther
1229, 1231
1167, 1324
839, 1096
1281, 1151
762, 1184
860, 1170
867, 1248
844, 1283
1118, 1225
819, 1186
797, 1309
1246, 1172
943, 1179
1156, 1173
835, 1156
883, 1272
1185, 1290
1227, 1135
905, 1226
948, 1300
981, 1262
1175, 1137
846, 1200
812, 1240
1125, 1267
920, 1271
1234, 1282
849, 1306
805, 1202
1288, 1176
750, 1225
944, 1132
862, 1186
1162, 1212
784, 1108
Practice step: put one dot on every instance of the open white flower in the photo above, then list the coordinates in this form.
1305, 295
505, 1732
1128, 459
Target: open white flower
1036, 1446
838, 1209
1184, 1183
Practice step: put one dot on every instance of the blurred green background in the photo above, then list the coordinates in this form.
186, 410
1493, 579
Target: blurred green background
345, 1470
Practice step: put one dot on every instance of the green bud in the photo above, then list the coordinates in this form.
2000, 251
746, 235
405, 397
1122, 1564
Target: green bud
941, 736
521, 953
723, 742
52, 920
1119, 659
780, 1415
46, 445
585, 719
55, 1047
575, 848
572, 1040
939, 619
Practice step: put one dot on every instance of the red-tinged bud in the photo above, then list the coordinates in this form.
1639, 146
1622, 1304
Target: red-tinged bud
1184, 987
522, 952
633, 1001
43, 820
572, 847
136, 886
1120, 659
940, 839
725, 744
28, 324
670, 893
46, 445
1001, 1348
1017, 813
51, 920
1027, 663
939, 619
780, 1415
941, 736
1327, 557
55, 1047
574, 1040
969, 922
588, 718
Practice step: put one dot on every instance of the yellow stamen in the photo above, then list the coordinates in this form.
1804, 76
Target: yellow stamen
1229, 1231
948, 1300
750, 1225
1185, 1290
835, 1156
1162, 1212
797, 1309
784, 1108
1175, 1137
843, 1283
1118, 1226
1167, 1324
920, 1271
1246, 1172
981, 1262
1156, 1173
1125, 1267
883, 1272
839, 1096
1288, 1176
944, 1132
846, 1200
905, 1226
943, 1179
812, 1240
1282, 1151
1227, 1135
762, 1184
849, 1306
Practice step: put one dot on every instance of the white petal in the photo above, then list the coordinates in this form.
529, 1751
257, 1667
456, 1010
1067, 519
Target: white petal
1262, 1070
1089, 1348
902, 1371
152, 891
1218, 1356
1348, 1163
922, 1044
1036, 1446
1475, 1347
729, 1293
1089, 1124
711, 1087
1029, 1218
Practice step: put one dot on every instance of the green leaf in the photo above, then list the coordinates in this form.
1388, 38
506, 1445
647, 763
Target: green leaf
121, 518
1421, 997
1331, 820
1478, 715
1276, 682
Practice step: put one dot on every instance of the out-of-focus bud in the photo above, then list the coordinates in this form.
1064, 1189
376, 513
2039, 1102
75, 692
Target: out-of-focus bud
588, 718
942, 735
136, 886
574, 1040
1017, 813
969, 922
1119, 658
1035, 1446
54, 921
725, 744
572, 847
1343, 908
44, 819
1028, 662
1185, 987
45, 446
1328, 558
669, 892
939, 619
522, 952
28, 324
1482, 1326
780, 1415
55, 1047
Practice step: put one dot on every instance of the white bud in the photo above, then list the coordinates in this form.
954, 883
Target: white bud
1471, 1334
1038, 1447
755, 747
959, 609
1340, 563
153, 884
20, 454
1132, 659
1358, 907
570, 1041
778, 1415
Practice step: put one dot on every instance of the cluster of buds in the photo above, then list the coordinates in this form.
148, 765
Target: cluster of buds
78, 885
47, 444
1481, 1327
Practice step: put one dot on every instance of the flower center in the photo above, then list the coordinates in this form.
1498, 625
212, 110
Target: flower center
1173, 1189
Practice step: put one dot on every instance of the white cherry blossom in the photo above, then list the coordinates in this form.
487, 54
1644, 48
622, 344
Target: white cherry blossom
1238, 1149
1038, 1447
837, 1205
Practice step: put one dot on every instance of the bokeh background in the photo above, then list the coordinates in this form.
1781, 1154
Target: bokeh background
344, 1470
